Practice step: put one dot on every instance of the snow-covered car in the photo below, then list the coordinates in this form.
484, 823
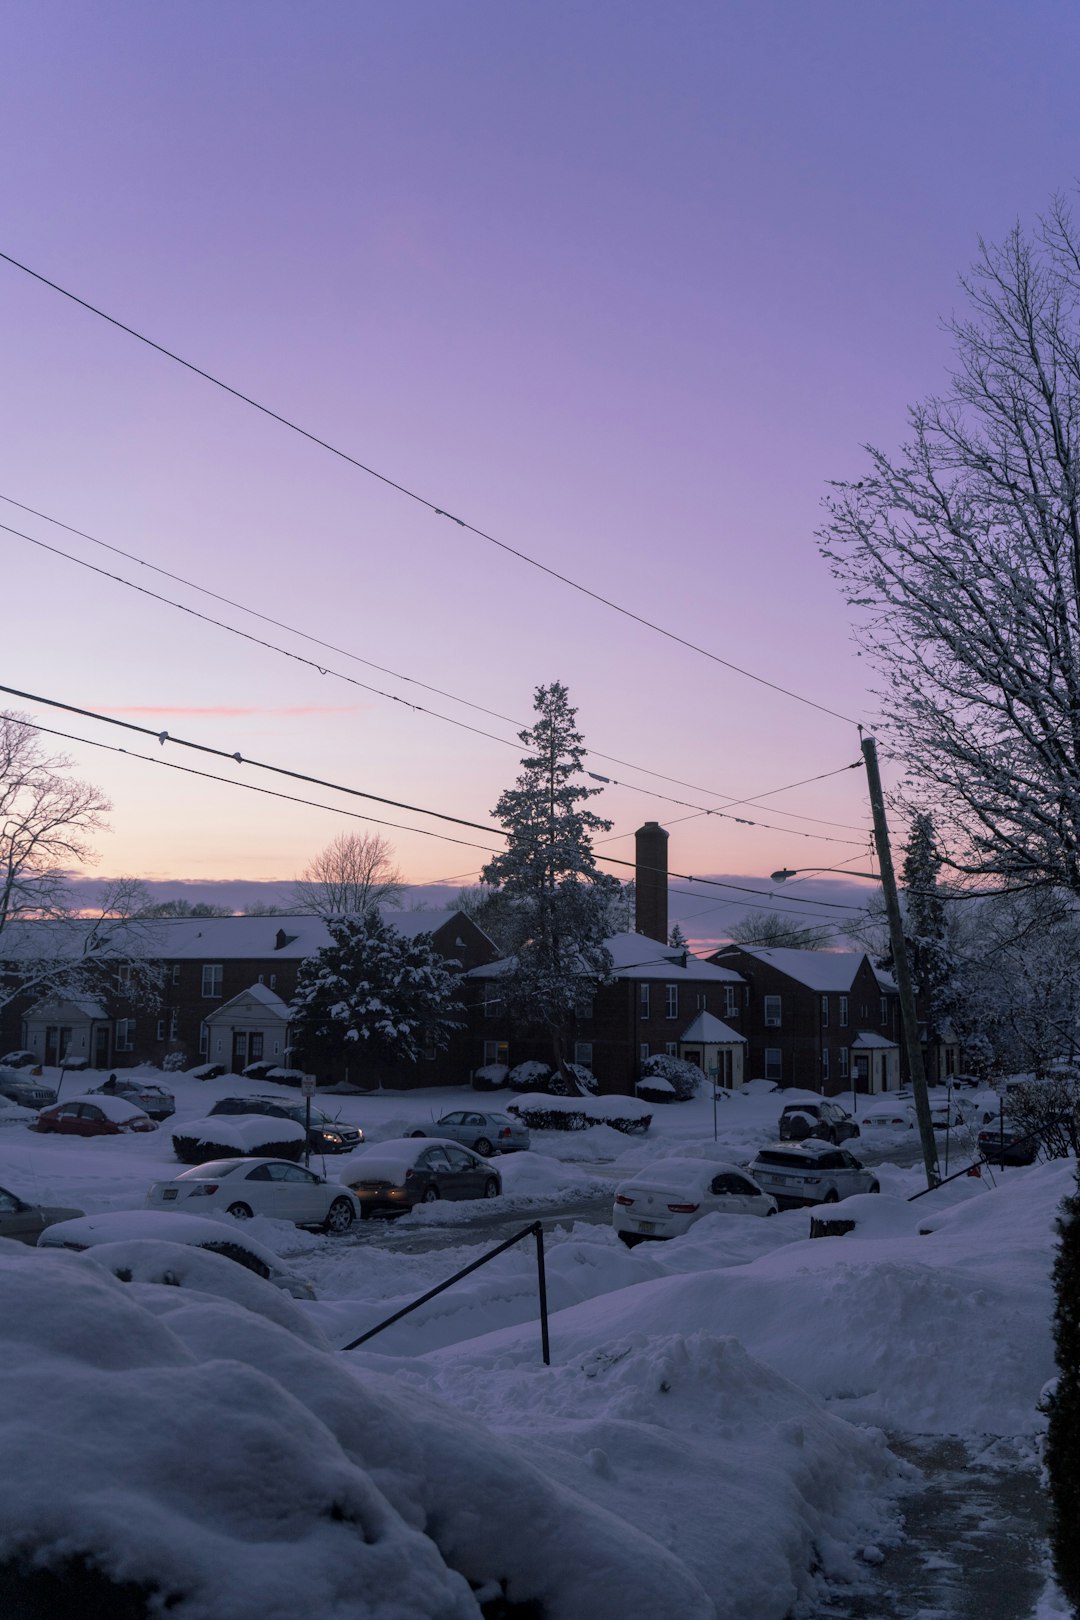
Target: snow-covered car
13, 1113
394, 1176
486, 1133
665, 1201
156, 1225
208, 1071
25, 1222
325, 1135
22, 1089
93, 1116
889, 1116
20, 1059
946, 1115
826, 1121
246, 1187
156, 1102
797, 1173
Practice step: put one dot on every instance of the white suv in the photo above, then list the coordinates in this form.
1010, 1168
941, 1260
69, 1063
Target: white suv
810, 1173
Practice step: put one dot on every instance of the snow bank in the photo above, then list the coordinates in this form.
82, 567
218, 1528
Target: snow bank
240, 1473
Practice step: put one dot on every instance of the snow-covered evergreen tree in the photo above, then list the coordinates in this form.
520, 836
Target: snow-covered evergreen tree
927, 933
677, 939
372, 996
549, 872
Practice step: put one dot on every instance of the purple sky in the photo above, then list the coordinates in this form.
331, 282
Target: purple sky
623, 284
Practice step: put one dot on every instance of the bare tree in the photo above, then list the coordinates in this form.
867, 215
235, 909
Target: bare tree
770, 930
350, 876
962, 554
49, 945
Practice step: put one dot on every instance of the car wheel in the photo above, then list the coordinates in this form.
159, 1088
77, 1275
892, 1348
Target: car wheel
771, 1212
831, 1197
874, 1187
339, 1217
491, 1188
483, 1147
417, 1133
242, 1212
429, 1195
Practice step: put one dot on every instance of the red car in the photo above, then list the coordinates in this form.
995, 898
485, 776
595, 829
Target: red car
93, 1116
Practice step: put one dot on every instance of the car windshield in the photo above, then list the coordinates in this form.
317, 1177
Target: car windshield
212, 1171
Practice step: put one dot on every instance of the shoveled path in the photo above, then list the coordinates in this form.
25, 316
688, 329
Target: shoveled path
974, 1544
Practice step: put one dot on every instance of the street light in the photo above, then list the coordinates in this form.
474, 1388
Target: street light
789, 871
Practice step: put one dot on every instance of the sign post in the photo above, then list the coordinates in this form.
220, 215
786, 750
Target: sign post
307, 1090
714, 1075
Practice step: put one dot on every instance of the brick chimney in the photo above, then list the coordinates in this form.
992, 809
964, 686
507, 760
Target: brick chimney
650, 910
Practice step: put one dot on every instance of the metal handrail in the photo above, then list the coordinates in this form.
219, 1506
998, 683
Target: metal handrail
535, 1230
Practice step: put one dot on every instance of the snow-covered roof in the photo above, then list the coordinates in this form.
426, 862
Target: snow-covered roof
869, 1037
706, 1028
203, 938
255, 992
53, 1011
818, 970
636, 956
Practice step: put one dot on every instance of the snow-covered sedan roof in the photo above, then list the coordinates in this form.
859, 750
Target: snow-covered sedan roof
683, 1174
123, 1225
114, 1108
390, 1158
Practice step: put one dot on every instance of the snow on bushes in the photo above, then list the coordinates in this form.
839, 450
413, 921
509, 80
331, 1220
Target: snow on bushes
530, 1076
684, 1078
259, 1136
544, 1113
490, 1077
656, 1091
211, 1462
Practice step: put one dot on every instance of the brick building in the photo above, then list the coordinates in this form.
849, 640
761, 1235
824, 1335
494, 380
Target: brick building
825, 1021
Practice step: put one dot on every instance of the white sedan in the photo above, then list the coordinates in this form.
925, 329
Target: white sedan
665, 1201
246, 1187
895, 1116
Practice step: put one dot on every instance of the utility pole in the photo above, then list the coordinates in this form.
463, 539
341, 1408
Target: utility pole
909, 1022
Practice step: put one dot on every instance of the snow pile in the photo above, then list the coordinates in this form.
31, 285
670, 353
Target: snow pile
233, 1470
240, 1133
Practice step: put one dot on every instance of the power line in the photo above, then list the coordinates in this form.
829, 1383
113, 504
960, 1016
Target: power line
422, 500
164, 737
242, 607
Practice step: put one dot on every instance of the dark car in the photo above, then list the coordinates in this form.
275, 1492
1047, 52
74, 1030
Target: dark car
393, 1177
21, 1059
1007, 1145
155, 1101
325, 1135
25, 1222
825, 1120
21, 1088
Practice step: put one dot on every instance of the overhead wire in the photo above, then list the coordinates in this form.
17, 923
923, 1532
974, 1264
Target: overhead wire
729, 801
422, 500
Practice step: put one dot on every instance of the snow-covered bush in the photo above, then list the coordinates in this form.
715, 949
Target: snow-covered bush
574, 1080
490, 1077
656, 1090
551, 1113
530, 1076
683, 1077
174, 1062
255, 1135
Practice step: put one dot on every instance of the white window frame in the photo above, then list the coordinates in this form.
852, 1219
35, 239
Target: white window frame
731, 1006
496, 1052
643, 1000
843, 1063
824, 1065
774, 1063
824, 1012
671, 1001
774, 1013
843, 1012
174, 1024
125, 1035
213, 973
644, 1051
160, 1029
671, 1048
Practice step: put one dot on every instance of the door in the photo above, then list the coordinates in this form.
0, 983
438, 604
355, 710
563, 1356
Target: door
467, 1174
239, 1050
101, 1047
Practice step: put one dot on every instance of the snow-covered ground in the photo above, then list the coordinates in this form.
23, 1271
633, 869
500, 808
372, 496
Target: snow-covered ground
708, 1441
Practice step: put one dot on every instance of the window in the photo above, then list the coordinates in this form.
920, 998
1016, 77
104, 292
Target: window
176, 973
583, 1005
273, 981
643, 1000
260, 978
843, 1055
161, 1029
204, 1040
671, 1048
700, 998
643, 1051
774, 1063
671, 1001
824, 1012
125, 1034
772, 1012
123, 975
824, 1065
884, 1010
497, 1052
731, 1005
255, 1045
492, 1004
174, 1024
583, 1053
843, 1012
213, 975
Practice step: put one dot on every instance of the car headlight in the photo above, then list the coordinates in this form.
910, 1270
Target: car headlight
332, 1136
